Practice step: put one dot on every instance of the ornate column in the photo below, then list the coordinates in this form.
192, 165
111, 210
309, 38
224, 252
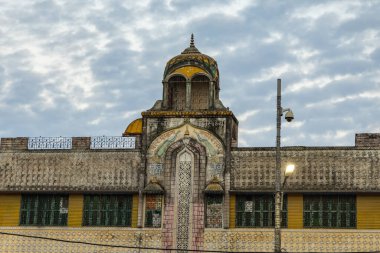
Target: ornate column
227, 176
188, 95
211, 97
165, 94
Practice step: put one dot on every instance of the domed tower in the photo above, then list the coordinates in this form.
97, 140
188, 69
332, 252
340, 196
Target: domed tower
191, 82
190, 95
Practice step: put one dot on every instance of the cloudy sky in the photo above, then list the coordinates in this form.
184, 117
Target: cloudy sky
88, 68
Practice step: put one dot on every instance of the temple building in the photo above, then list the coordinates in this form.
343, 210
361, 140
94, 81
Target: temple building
176, 179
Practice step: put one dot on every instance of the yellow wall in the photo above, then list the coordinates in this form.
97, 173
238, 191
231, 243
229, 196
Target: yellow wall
75, 210
135, 207
295, 211
10, 209
232, 210
368, 211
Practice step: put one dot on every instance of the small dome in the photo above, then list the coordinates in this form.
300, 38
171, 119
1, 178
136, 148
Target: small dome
214, 187
135, 127
153, 187
192, 57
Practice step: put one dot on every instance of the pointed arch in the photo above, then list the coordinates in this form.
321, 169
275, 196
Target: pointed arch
180, 152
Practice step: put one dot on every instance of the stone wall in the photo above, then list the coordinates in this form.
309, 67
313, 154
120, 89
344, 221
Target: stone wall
317, 169
305, 240
69, 171
109, 236
239, 240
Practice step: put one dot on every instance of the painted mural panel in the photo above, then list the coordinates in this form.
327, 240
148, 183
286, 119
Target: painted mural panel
158, 148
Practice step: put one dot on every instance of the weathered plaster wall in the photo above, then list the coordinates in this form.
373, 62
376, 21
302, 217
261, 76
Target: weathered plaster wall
69, 171
317, 169
293, 240
241, 240
109, 236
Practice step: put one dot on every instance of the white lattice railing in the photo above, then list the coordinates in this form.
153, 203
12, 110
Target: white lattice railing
97, 142
113, 142
50, 143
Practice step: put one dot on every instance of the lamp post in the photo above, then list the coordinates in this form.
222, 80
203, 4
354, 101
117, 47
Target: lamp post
278, 193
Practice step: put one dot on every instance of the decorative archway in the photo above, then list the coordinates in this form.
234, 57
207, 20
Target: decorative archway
183, 160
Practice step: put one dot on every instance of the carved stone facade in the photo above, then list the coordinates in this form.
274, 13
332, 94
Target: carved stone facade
184, 178
332, 169
69, 171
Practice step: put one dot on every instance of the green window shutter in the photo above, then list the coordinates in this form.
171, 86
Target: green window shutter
257, 210
107, 210
44, 210
329, 211
153, 210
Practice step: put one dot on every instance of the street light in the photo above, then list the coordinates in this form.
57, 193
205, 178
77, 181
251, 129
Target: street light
289, 170
278, 196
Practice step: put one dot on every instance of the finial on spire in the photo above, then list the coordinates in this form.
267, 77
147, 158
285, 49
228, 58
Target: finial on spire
191, 49
192, 40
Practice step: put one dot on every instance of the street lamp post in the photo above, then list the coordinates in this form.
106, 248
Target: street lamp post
278, 195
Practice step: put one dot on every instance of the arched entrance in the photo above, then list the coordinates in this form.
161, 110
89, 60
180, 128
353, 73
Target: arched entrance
182, 160
185, 178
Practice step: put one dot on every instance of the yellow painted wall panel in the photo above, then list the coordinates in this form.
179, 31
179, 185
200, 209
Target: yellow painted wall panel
368, 211
189, 71
232, 210
10, 209
75, 210
295, 211
135, 207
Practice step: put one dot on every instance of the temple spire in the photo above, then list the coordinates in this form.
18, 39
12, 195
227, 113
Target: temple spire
191, 49
192, 40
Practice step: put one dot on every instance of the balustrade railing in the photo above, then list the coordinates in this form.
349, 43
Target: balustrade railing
113, 142
97, 142
49, 143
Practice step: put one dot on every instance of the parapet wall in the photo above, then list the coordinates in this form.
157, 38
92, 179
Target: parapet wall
367, 140
77, 143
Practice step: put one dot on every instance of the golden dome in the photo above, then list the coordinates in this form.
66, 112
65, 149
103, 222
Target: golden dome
192, 57
135, 127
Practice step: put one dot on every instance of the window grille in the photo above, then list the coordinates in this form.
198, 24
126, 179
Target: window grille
107, 210
153, 209
257, 210
329, 211
214, 209
44, 210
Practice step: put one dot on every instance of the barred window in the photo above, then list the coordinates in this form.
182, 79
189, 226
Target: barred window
214, 209
44, 210
153, 209
257, 210
329, 211
107, 210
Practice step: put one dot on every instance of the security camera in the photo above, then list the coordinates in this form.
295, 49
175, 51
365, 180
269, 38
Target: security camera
289, 116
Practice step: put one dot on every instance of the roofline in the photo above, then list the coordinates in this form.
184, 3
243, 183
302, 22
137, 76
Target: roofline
301, 148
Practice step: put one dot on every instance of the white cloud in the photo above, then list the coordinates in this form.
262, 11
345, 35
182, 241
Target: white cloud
341, 10
246, 115
320, 82
68, 64
368, 95
338, 137
255, 131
